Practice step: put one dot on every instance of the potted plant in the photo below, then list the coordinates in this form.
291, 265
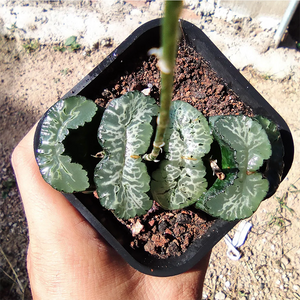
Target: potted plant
80, 145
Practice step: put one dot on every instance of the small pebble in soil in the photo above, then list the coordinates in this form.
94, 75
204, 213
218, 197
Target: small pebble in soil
220, 296
285, 261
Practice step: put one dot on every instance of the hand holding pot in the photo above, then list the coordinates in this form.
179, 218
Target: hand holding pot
67, 259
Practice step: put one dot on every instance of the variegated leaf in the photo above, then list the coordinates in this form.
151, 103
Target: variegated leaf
275, 165
241, 199
247, 137
56, 168
179, 180
125, 132
229, 168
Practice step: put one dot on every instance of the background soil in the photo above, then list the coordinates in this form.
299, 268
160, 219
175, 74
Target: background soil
31, 82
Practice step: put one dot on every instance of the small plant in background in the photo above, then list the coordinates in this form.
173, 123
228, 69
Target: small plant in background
13, 28
31, 46
266, 76
280, 218
65, 71
70, 44
59, 48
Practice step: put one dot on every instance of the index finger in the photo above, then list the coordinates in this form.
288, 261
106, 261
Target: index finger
47, 210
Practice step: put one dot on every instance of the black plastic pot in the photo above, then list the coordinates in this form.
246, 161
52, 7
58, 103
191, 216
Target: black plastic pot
137, 44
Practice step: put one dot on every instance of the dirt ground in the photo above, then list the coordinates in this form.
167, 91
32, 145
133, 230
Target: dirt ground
31, 82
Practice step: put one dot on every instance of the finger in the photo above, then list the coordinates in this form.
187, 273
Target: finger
43, 205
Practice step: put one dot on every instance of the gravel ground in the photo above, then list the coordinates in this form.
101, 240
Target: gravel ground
32, 82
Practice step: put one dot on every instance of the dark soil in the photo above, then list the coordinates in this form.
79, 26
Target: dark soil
164, 233
167, 233
194, 82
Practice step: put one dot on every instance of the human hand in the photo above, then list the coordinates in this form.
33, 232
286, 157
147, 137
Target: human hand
68, 259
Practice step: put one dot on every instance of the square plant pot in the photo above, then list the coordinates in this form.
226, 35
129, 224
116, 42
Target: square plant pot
92, 86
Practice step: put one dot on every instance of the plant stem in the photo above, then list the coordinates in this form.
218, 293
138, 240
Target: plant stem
166, 64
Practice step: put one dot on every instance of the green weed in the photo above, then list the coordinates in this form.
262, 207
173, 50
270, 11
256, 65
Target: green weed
12, 28
59, 48
279, 218
65, 72
31, 46
266, 77
70, 44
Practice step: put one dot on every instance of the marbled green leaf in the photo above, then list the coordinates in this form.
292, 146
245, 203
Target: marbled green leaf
275, 165
251, 147
247, 137
179, 181
125, 132
239, 200
56, 168
229, 167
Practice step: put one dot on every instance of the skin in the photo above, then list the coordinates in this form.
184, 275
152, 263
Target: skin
67, 259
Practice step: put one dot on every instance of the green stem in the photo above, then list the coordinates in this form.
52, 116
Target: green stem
166, 64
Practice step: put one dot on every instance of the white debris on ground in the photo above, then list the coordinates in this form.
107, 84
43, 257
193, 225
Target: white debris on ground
244, 41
